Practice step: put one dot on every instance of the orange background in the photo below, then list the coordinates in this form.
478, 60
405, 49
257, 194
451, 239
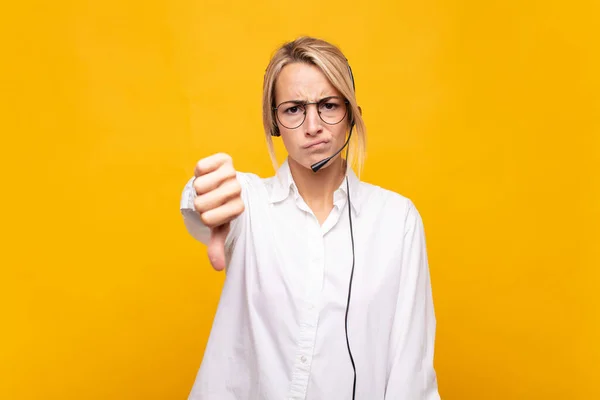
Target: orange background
486, 114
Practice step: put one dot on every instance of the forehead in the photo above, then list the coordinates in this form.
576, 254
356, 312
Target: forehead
302, 81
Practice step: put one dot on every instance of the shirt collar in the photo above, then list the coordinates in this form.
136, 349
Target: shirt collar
284, 186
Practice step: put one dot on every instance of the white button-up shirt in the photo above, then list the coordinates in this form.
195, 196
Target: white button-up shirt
278, 332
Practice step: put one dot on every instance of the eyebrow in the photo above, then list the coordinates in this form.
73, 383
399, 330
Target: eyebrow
304, 101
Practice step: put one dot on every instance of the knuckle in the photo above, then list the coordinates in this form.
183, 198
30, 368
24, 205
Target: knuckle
232, 185
221, 158
225, 157
228, 161
197, 169
239, 207
197, 185
229, 171
226, 171
199, 204
204, 219
236, 188
207, 219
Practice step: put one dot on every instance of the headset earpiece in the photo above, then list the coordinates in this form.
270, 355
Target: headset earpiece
351, 75
354, 89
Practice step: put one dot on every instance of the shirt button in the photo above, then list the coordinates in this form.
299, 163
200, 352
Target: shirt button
303, 359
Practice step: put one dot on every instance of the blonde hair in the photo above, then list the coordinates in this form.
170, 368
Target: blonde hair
334, 65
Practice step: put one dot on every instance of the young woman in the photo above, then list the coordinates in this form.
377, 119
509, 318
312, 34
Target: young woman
327, 294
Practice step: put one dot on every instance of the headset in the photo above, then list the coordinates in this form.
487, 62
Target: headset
315, 167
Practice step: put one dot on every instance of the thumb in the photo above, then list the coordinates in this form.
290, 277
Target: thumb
216, 246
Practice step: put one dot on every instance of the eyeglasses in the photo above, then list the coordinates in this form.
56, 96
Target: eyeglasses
292, 114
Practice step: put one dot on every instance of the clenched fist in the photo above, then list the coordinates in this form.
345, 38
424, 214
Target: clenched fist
218, 201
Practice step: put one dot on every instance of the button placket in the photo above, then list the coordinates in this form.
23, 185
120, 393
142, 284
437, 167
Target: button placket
310, 314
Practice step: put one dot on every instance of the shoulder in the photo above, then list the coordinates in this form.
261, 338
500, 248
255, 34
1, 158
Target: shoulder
391, 204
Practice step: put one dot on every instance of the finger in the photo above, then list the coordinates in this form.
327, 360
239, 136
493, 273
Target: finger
216, 246
215, 198
211, 181
211, 163
223, 214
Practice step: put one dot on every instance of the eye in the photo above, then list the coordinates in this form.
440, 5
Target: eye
293, 110
329, 105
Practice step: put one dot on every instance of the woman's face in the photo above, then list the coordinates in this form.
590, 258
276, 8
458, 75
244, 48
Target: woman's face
314, 140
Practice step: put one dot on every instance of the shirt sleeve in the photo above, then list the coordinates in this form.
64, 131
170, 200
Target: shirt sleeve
411, 371
191, 217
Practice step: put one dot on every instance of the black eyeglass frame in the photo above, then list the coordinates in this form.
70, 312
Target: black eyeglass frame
305, 104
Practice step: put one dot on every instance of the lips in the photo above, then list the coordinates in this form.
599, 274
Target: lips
314, 144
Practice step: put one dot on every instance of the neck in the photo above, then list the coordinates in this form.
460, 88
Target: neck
317, 188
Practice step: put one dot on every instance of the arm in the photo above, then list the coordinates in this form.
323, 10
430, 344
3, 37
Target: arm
411, 372
210, 204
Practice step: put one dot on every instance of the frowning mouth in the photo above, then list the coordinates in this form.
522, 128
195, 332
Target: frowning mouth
315, 144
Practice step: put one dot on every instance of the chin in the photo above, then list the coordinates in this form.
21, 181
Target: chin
307, 162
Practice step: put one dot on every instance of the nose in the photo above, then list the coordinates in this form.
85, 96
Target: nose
313, 121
